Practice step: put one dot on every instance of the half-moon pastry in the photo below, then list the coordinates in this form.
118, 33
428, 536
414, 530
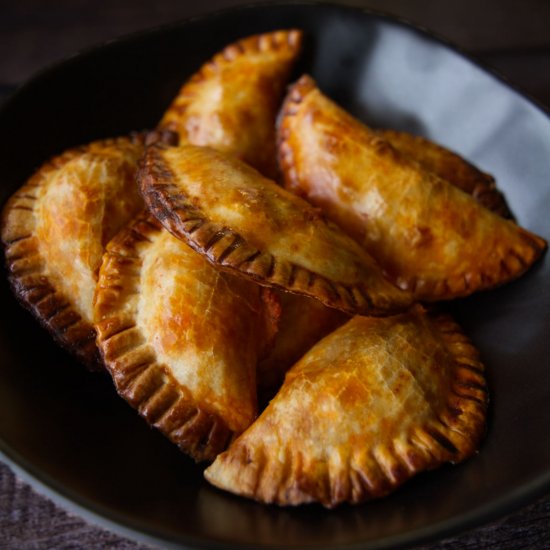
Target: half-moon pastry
369, 406
245, 223
430, 237
302, 323
180, 339
451, 167
55, 228
231, 103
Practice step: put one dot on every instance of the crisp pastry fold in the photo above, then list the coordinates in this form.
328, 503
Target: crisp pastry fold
231, 103
451, 167
430, 237
54, 230
245, 223
180, 339
369, 406
302, 322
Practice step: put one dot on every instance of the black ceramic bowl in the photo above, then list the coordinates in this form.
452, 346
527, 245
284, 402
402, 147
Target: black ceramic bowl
69, 432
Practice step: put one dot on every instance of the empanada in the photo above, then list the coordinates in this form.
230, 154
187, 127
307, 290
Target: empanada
451, 167
231, 103
246, 224
180, 339
430, 237
54, 230
369, 406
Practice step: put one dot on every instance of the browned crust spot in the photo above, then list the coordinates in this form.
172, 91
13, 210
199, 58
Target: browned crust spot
139, 378
453, 436
229, 251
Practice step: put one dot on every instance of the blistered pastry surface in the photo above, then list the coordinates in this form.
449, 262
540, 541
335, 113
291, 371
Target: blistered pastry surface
231, 103
180, 339
449, 166
245, 223
370, 405
429, 236
79, 210
54, 229
202, 325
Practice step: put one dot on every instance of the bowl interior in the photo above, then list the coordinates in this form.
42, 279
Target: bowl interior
70, 430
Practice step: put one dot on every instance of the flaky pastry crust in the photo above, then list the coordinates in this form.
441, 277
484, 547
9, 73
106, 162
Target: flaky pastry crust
430, 237
244, 223
231, 103
368, 407
302, 323
180, 339
451, 167
55, 227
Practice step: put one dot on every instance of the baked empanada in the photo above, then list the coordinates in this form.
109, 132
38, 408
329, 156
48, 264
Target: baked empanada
180, 339
246, 224
369, 406
430, 237
54, 230
231, 103
451, 167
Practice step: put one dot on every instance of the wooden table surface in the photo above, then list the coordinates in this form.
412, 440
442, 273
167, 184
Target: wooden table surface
510, 36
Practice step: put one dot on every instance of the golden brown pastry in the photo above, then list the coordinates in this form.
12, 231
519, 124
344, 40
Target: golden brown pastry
369, 406
302, 323
246, 224
431, 238
55, 228
180, 339
231, 103
451, 167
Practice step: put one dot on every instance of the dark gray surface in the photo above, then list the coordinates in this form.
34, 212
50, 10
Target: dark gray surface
509, 35
28, 521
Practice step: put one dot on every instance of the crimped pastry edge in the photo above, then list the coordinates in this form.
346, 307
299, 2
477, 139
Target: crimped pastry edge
511, 267
290, 39
26, 268
229, 251
454, 436
140, 379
